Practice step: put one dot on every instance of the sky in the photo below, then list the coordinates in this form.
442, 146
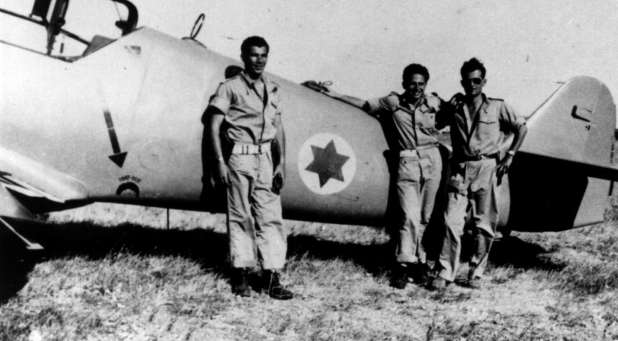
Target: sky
362, 46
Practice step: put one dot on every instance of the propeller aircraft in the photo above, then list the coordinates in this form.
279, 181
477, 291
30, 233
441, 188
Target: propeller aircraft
121, 123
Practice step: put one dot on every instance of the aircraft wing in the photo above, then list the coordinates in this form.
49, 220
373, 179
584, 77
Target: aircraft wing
28, 187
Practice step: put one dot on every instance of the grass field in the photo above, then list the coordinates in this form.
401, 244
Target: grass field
124, 276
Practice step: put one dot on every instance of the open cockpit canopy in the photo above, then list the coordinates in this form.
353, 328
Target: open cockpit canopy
50, 19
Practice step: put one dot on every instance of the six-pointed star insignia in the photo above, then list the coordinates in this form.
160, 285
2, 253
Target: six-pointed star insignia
327, 163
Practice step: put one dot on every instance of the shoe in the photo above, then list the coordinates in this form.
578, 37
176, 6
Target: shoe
474, 283
272, 286
240, 282
399, 277
438, 283
420, 274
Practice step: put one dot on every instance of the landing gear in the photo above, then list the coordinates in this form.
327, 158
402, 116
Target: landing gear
29, 245
16, 262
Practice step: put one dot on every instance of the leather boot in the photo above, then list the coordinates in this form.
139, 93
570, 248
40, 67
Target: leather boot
240, 282
420, 273
474, 282
399, 276
438, 284
272, 286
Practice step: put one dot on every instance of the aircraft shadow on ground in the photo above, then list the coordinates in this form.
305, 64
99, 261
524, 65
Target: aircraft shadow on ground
206, 247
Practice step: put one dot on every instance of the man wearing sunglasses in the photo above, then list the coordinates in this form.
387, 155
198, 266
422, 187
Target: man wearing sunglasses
409, 122
477, 126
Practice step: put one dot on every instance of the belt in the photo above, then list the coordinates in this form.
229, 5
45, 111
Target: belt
244, 148
477, 157
414, 152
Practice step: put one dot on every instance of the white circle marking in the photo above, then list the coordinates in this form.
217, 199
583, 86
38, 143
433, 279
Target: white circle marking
326, 163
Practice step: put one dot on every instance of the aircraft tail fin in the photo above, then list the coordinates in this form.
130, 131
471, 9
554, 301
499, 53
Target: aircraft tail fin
560, 178
576, 124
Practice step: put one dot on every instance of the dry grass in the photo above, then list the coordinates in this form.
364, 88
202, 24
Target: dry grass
139, 281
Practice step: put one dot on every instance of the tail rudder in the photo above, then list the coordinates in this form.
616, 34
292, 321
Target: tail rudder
560, 178
575, 124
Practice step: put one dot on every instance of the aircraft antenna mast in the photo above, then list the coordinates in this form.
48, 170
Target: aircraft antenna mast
197, 26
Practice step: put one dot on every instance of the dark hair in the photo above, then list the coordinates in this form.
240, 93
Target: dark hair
253, 41
414, 69
472, 65
232, 71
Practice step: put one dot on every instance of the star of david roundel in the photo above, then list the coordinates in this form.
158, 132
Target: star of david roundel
326, 163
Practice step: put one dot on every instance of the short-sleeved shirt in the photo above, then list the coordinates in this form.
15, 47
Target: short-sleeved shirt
410, 131
250, 107
483, 135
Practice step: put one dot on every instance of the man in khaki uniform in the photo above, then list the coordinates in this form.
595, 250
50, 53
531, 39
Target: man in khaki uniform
250, 106
477, 124
409, 122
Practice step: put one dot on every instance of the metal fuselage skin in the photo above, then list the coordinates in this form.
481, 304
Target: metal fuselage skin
149, 90
155, 89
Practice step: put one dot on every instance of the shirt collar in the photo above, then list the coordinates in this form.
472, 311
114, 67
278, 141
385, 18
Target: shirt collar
250, 81
404, 100
485, 102
484, 105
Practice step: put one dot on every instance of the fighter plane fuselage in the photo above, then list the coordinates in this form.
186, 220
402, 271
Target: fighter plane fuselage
123, 124
144, 95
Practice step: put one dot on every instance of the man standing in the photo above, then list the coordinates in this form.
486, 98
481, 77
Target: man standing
477, 123
249, 105
409, 123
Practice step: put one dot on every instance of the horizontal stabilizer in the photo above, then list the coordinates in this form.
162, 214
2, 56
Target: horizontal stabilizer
564, 172
589, 169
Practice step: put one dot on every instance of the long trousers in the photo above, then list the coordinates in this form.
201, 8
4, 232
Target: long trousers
471, 188
418, 180
254, 223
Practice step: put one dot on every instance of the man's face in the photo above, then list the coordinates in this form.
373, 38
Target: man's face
473, 83
415, 86
255, 60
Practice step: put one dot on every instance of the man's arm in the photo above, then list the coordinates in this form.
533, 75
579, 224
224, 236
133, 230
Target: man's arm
212, 129
355, 101
279, 168
446, 110
519, 130
518, 139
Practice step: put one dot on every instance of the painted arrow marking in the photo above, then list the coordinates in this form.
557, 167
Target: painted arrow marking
118, 157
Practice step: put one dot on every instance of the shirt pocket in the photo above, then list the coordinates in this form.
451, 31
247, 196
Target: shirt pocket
488, 127
273, 109
427, 117
409, 169
271, 115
